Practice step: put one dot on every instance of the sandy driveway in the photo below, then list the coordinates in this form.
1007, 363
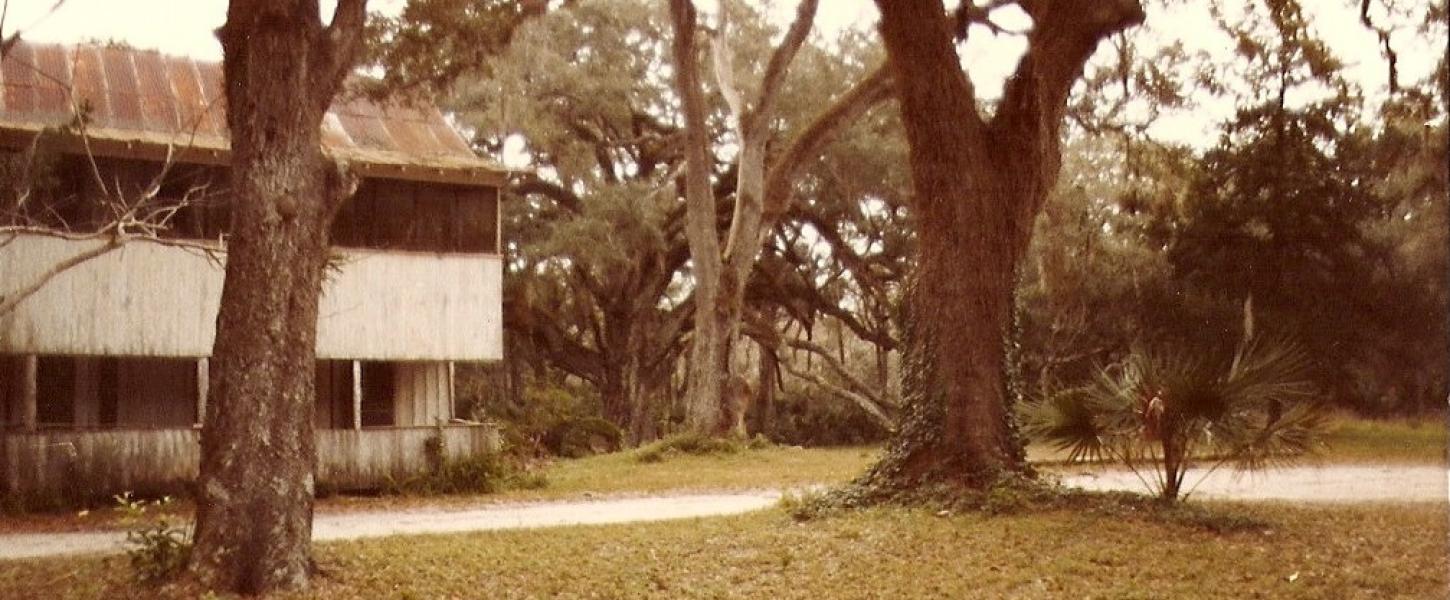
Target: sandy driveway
1358, 483
1346, 483
348, 526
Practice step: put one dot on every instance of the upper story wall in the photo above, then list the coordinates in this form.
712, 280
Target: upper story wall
148, 298
194, 202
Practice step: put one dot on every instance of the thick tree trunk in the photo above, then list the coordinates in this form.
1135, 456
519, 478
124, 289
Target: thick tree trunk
763, 409
978, 187
717, 324
957, 426
707, 358
255, 490
627, 379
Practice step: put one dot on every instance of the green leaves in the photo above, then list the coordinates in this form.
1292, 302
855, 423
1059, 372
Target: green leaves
1071, 421
1165, 406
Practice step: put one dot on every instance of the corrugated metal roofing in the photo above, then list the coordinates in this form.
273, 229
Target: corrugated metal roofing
138, 100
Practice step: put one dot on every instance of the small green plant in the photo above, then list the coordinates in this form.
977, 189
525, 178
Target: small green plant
157, 547
583, 436
805, 505
688, 443
477, 474
1163, 409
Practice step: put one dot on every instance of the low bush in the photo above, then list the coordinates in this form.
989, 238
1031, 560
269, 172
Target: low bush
583, 436
690, 443
477, 474
550, 419
157, 548
809, 417
1164, 409
804, 505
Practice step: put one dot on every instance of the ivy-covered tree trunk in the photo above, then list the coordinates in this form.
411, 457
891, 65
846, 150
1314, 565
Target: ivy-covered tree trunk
979, 185
255, 491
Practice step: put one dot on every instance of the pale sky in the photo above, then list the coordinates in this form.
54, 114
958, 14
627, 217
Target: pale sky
185, 27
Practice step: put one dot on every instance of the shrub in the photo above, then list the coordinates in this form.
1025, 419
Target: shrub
1164, 408
584, 436
157, 548
476, 474
807, 416
687, 443
551, 419
805, 505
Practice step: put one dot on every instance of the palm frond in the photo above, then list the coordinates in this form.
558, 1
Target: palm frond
1069, 421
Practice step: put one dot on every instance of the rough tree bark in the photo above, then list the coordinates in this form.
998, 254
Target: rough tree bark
282, 67
979, 184
763, 192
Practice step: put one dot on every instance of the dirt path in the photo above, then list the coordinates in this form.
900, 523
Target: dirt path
1346, 483
1358, 483
346, 526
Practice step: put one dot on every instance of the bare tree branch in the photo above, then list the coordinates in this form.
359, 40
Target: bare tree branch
1384, 38
9, 303
778, 65
870, 91
865, 402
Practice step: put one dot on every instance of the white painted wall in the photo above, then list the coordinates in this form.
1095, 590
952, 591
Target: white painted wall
422, 393
149, 299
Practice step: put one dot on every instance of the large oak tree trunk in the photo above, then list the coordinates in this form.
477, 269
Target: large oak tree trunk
978, 188
255, 491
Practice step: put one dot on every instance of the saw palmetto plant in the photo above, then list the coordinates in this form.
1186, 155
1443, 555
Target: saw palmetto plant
1164, 409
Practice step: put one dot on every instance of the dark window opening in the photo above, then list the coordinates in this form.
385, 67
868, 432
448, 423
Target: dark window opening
108, 385
55, 391
193, 201
115, 391
69, 193
422, 217
377, 394
334, 394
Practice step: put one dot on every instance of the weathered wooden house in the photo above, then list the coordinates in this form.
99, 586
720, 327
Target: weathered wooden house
103, 371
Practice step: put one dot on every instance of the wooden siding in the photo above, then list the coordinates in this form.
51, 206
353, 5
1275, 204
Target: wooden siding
150, 299
367, 458
77, 465
413, 306
421, 394
334, 395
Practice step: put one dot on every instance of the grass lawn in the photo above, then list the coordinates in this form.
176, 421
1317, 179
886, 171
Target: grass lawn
620, 474
1372, 551
1394, 441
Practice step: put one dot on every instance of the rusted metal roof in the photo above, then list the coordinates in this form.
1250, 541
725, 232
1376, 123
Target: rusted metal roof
143, 104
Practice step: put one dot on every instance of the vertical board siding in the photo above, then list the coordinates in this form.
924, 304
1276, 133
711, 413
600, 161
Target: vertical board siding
370, 458
413, 306
90, 464
422, 393
152, 299
142, 299
79, 465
